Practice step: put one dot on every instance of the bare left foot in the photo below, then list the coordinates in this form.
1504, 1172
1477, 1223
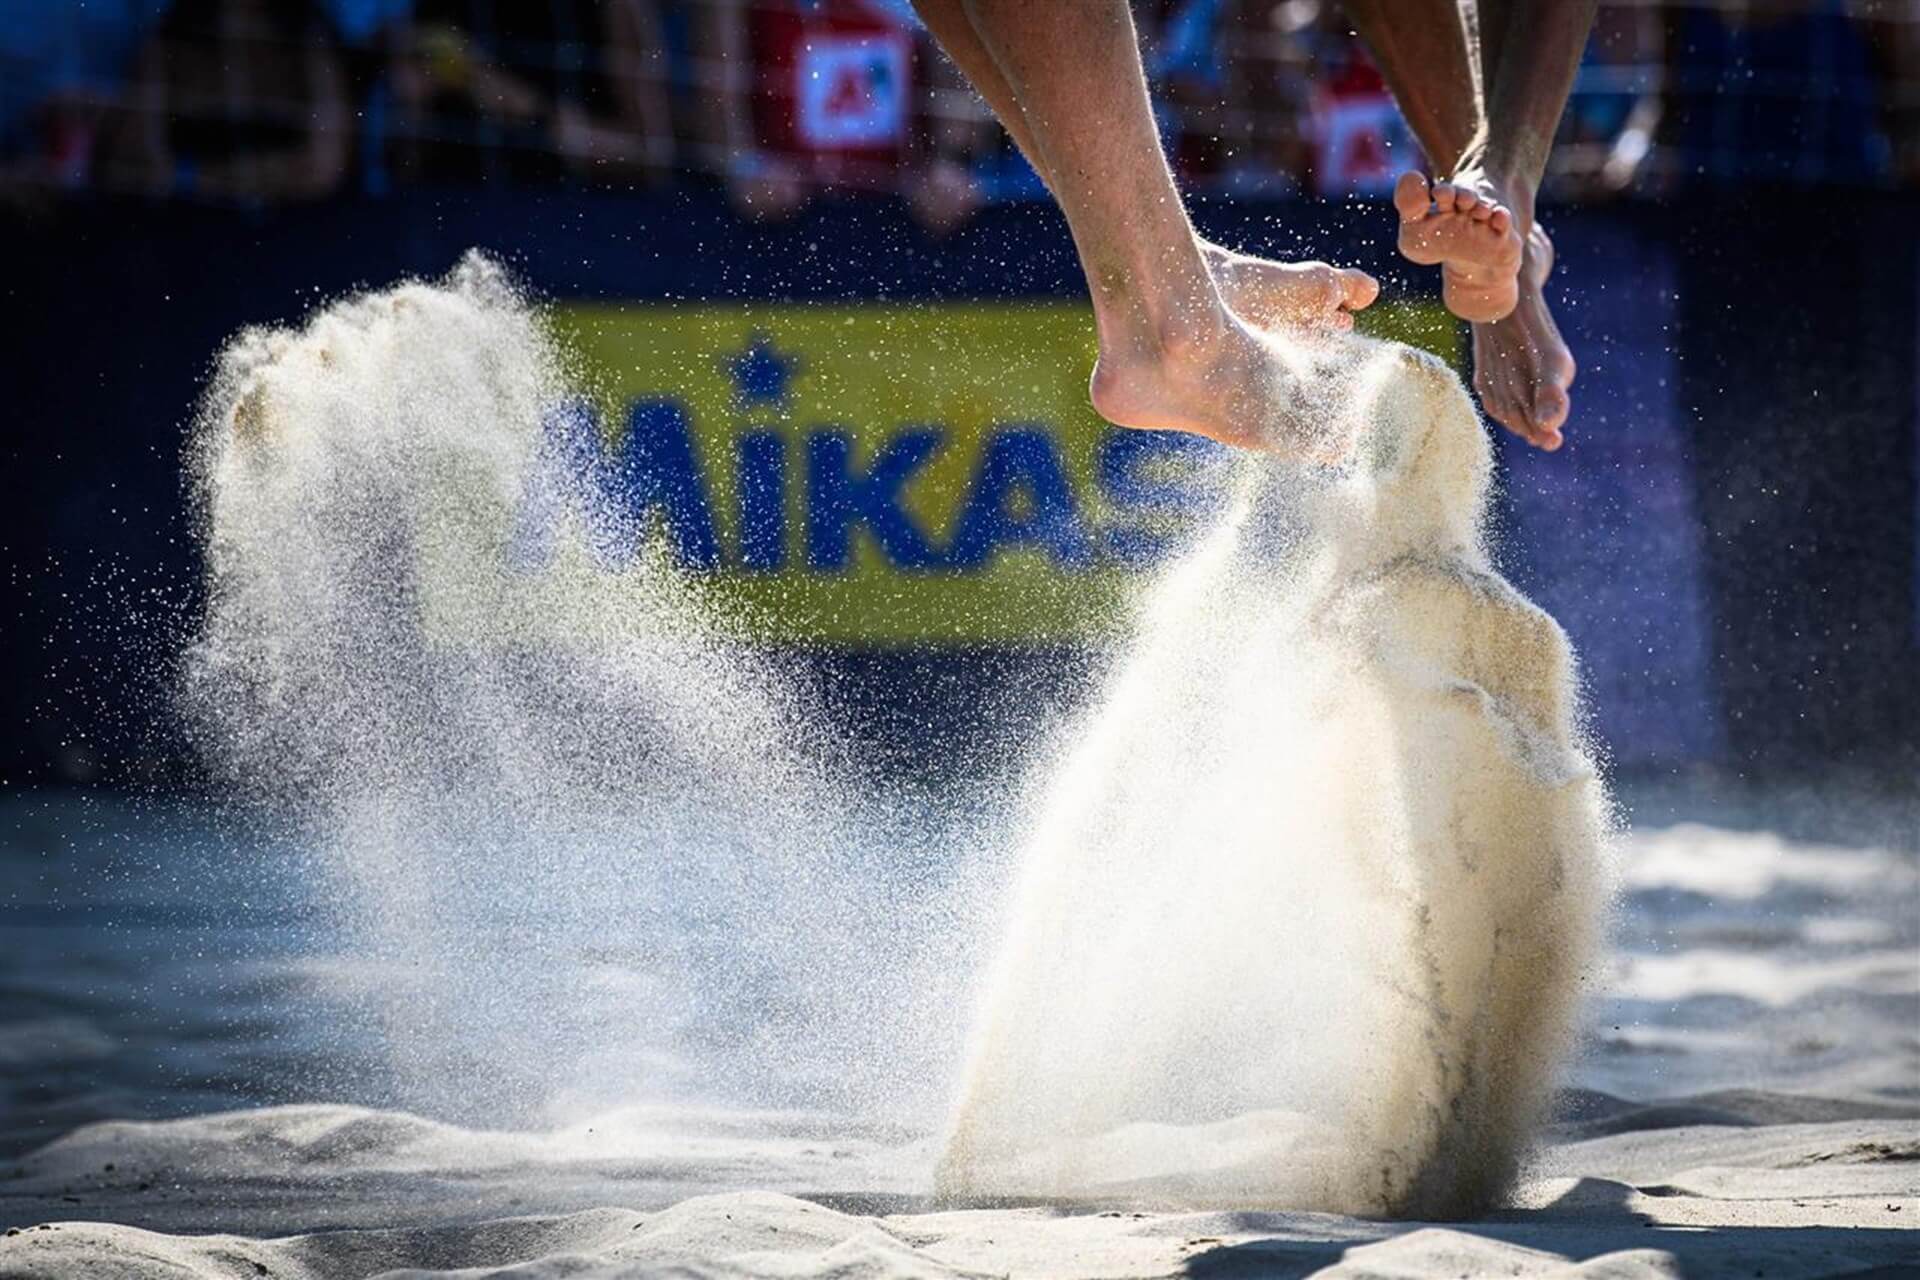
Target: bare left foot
1473, 236
1270, 294
1202, 368
1521, 365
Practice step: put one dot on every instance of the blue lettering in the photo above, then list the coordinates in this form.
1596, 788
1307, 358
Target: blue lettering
1154, 473
763, 499
656, 468
1020, 464
617, 491
569, 440
838, 499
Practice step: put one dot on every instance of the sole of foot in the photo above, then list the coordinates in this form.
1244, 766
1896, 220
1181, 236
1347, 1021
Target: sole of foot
1230, 383
1522, 368
1472, 238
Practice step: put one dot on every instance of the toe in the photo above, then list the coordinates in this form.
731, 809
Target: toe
1498, 402
1360, 289
1411, 197
1500, 220
1488, 390
1551, 405
1503, 412
1444, 196
1328, 293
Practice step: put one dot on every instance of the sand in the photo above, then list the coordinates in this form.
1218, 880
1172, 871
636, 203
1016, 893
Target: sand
1742, 1146
1336, 783
1745, 1094
395, 1195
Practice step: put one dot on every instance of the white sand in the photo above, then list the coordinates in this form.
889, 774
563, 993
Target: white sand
1336, 783
1747, 965
400, 1195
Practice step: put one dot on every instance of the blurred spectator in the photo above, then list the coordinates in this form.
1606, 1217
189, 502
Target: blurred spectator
1361, 143
530, 90
954, 131
1893, 40
809, 94
1269, 91
272, 100
358, 21
235, 100
1272, 96
1236, 76
1183, 43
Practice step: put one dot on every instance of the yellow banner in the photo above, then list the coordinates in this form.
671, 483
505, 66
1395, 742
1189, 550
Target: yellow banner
883, 473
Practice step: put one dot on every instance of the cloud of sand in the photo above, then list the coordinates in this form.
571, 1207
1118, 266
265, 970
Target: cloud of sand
1304, 911
584, 842
1304, 901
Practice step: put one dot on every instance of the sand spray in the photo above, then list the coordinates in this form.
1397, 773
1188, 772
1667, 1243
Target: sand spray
1295, 914
588, 847
1304, 909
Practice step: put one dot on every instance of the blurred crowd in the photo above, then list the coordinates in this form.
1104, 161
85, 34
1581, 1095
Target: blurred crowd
272, 101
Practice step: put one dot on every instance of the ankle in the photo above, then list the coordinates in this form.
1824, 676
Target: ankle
1473, 158
1514, 191
1151, 290
1170, 333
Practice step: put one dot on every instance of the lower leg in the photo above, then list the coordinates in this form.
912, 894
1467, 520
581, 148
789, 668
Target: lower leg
951, 26
1423, 49
1074, 71
1529, 54
1068, 82
1519, 69
1303, 293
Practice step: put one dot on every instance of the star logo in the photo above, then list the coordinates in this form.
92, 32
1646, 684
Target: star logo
761, 374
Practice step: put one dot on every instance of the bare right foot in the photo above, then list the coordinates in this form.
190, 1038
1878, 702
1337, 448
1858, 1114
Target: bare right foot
1475, 240
1521, 365
1213, 376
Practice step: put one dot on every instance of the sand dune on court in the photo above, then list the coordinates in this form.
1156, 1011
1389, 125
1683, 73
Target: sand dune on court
1800, 1199
1774, 1156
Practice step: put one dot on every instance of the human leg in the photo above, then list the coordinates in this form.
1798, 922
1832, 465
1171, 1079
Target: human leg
1518, 61
1261, 291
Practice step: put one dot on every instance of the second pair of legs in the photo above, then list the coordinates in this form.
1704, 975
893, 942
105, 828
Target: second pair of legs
1182, 323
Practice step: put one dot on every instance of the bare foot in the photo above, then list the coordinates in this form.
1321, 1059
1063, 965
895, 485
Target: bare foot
1474, 237
1213, 375
1521, 366
1271, 294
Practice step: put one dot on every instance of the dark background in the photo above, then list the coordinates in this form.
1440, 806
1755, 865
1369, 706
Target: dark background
1730, 535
